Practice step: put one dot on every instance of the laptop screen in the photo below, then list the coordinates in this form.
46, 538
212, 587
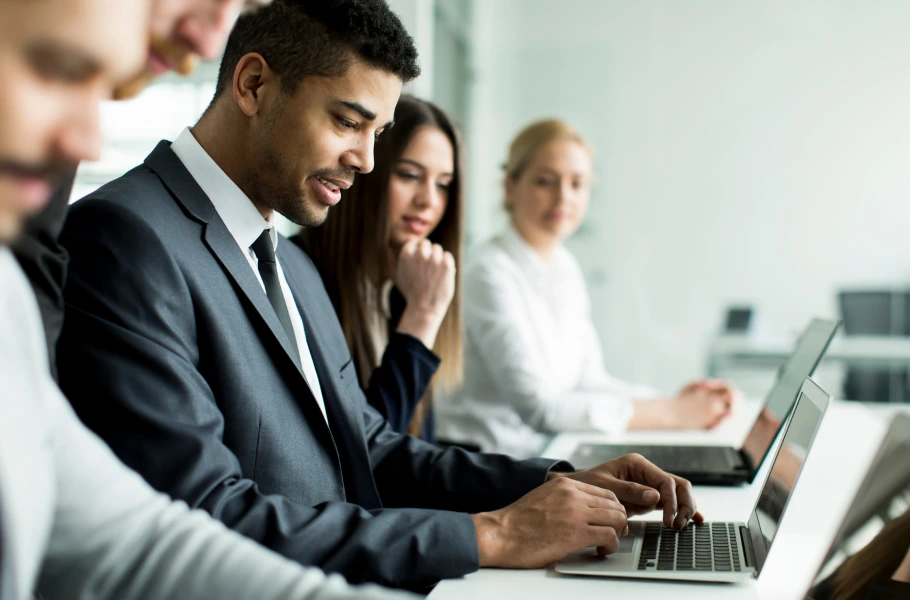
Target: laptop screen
798, 436
808, 352
874, 538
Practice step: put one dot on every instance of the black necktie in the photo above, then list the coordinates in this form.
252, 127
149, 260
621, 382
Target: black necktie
268, 270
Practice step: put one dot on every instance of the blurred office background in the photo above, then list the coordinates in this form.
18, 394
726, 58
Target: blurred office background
748, 154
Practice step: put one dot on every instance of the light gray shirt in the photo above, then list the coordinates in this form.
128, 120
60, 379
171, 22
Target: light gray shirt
91, 527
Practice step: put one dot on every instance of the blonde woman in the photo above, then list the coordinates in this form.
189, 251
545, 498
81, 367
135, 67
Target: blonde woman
533, 362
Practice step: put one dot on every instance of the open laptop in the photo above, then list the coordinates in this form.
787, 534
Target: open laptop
725, 465
882, 498
715, 551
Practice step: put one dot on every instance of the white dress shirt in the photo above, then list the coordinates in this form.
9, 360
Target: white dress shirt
245, 222
78, 524
533, 362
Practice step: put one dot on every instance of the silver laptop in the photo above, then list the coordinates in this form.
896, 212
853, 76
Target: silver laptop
716, 551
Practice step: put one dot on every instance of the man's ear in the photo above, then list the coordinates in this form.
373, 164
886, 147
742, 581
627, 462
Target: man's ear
252, 82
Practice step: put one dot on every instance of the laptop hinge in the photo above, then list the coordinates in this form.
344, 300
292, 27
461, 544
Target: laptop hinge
746, 539
748, 464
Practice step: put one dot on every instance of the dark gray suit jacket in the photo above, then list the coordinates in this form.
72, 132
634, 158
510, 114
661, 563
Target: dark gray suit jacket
172, 353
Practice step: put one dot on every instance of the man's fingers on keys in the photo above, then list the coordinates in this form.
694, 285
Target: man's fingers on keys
685, 501
668, 499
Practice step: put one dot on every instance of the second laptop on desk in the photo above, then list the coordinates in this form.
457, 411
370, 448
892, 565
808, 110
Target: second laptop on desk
716, 551
725, 465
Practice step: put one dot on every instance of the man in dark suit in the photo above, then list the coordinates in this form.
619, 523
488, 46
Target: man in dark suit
204, 349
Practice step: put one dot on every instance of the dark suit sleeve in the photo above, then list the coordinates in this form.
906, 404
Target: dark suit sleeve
44, 261
412, 472
401, 379
131, 367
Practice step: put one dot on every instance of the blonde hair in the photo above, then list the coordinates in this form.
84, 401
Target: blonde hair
534, 137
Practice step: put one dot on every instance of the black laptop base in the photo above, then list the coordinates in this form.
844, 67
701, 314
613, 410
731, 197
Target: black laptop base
701, 465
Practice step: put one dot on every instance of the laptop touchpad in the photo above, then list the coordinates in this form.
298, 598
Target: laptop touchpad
625, 544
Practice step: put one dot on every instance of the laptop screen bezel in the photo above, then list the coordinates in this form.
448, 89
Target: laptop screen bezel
810, 392
832, 325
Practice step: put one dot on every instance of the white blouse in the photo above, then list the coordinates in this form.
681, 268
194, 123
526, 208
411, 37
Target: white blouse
533, 362
77, 523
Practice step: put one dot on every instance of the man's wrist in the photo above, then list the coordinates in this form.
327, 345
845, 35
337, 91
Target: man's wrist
489, 540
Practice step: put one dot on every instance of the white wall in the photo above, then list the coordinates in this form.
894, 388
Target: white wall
417, 16
746, 151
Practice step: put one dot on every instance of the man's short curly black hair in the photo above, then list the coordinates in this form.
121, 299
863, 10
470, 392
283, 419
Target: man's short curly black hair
302, 38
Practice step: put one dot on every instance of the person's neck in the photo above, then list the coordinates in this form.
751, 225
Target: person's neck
220, 135
545, 247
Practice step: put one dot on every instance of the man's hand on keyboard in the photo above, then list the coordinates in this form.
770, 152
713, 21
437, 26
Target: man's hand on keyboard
548, 523
642, 487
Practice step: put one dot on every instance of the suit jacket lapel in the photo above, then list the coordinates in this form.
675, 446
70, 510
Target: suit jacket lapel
344, 413
186, 191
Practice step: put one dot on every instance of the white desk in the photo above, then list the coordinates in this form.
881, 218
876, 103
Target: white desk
836, 463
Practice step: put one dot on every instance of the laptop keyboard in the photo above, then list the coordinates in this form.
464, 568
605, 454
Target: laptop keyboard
705, 547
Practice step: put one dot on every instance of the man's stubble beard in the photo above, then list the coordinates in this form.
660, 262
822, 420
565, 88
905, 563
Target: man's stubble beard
274, 189
272, 185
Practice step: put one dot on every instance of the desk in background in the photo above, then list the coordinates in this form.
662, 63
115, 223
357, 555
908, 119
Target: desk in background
838, 460
737, 353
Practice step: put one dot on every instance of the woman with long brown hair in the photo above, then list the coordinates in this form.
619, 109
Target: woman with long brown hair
388, 254
880, 571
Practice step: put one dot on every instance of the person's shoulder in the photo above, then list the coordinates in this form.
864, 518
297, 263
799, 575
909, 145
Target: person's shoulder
130, 188
115, 220
138, 202
489, 256
129, 192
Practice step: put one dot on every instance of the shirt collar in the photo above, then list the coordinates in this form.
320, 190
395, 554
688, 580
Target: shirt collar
528, 256
240, 215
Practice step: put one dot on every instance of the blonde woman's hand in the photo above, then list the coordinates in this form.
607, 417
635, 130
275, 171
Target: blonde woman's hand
425, 276
703, 404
